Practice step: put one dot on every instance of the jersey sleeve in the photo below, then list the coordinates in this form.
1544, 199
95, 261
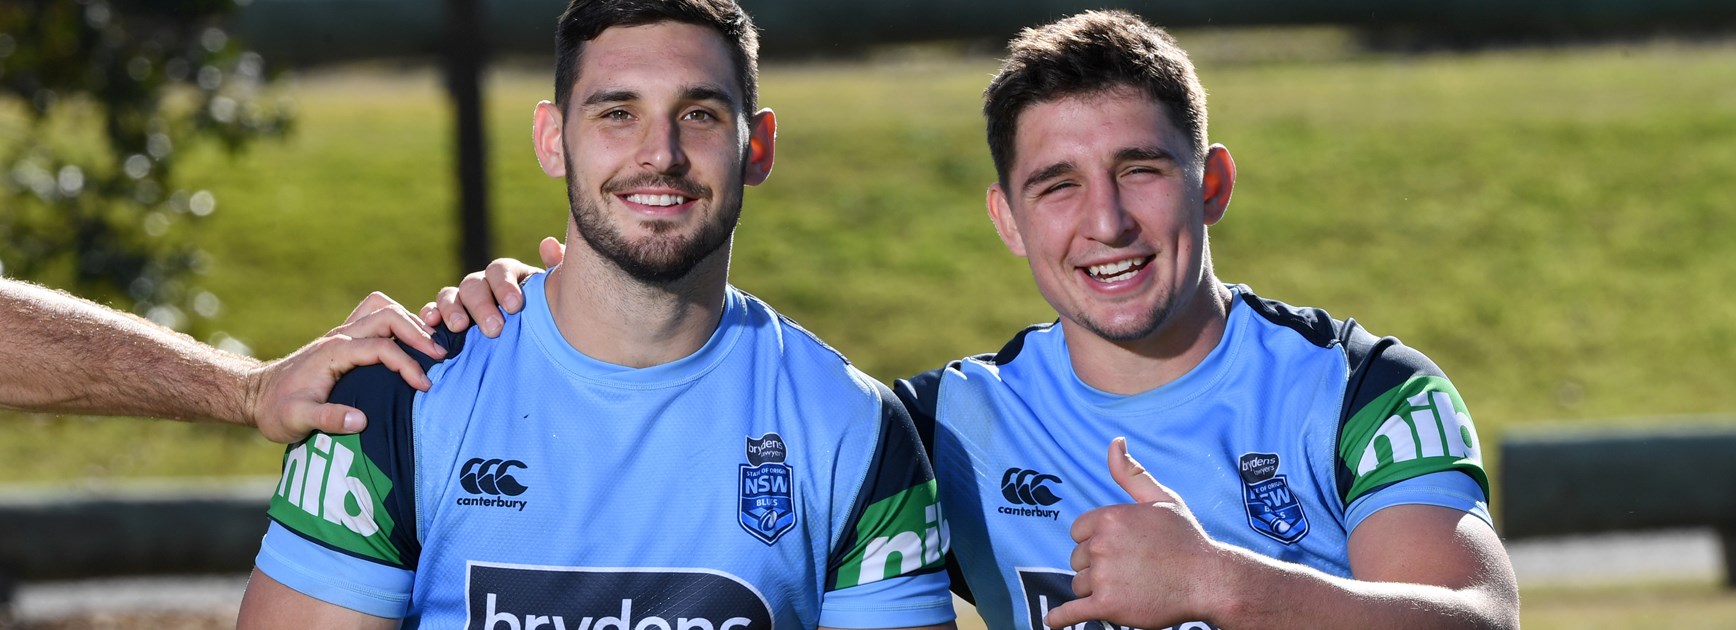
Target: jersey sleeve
343, 514
888, 569
1403, 420
921, 397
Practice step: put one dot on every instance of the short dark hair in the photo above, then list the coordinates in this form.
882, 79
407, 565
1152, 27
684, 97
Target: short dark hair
1089, 53
584, 20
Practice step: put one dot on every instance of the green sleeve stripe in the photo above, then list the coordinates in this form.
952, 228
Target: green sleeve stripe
1417, 428
903, 534
333, 494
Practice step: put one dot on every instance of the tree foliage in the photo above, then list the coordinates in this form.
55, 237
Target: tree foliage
98, 101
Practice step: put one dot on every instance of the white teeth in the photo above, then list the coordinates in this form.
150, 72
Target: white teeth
1117, 271
656, 200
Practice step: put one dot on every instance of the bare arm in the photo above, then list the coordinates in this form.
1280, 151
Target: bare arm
270, 604
1149, 565
1416, 566
63, 354
67, 355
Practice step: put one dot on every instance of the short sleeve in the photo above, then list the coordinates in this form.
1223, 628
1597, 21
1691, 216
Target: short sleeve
889, 569
1404, 420
343, 512
1448, 489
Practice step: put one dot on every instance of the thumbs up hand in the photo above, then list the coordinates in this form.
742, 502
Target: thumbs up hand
1145, 564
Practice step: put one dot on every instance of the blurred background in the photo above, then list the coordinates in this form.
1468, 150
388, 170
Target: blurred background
1536, 194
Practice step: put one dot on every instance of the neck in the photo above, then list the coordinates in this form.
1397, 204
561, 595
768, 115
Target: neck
612, 317
1179, 344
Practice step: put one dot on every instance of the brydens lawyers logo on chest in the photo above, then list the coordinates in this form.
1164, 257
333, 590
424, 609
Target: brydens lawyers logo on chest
768, 489
1272, 508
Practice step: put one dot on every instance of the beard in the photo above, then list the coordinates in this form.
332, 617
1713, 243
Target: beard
1126, 332
666, 256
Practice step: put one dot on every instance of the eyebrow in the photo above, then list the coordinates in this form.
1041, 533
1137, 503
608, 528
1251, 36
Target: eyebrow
690, 93
1144, 154
610, 96
1046, 173
708, 93
1129, 154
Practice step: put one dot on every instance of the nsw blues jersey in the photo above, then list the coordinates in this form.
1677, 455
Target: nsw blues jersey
1291, 431
761, 482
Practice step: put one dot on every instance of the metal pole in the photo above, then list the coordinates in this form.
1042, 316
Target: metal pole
465, 57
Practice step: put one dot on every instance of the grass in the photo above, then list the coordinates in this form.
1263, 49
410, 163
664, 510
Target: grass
1549, 225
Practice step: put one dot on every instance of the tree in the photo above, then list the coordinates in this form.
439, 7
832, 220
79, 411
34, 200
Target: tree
98, 98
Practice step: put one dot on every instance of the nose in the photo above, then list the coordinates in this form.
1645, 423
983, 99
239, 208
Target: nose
1106, 219
660, 150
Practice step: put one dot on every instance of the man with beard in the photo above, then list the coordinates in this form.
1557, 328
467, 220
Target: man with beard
642, 445
1302, 471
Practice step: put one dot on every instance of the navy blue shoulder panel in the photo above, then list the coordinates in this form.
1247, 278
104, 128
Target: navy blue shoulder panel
1015, 346
1377, 364
921, 396
898, 464
1312, 324
389, 439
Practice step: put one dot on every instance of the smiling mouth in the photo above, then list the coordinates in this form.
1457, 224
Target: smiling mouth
660, 201
1118, 270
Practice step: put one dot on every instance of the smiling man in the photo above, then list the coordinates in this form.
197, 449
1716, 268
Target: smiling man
1331, 478
643, 446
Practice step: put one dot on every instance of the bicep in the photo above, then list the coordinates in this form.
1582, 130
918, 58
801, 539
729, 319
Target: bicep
270, 604
1427, 544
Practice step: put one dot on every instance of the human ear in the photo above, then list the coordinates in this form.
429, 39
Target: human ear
1217, 183
1001, 213
762, 135
546, 137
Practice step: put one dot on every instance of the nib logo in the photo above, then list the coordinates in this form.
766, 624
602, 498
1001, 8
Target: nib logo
317, 479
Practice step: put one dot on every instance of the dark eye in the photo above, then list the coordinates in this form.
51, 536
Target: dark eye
617, 115
701, 116
1058, 187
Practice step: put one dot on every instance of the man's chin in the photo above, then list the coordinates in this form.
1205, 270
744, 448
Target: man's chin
1122, 328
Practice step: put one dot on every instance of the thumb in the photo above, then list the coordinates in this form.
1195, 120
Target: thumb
551, 251
1132, 477
324, 417
336, 419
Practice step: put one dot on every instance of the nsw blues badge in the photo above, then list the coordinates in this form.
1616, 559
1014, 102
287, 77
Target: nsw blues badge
768, 489
1272, 508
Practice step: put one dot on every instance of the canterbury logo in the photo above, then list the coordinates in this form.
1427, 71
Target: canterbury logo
1026, 487
490, 476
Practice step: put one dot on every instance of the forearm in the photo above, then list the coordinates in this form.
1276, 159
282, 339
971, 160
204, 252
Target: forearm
1268, 593
62, 354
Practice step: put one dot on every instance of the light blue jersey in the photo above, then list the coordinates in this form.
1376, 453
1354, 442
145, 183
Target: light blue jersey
761, 482
1292, 431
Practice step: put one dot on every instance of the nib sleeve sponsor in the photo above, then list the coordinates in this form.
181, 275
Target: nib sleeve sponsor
903, 534
331, 493
1414, 429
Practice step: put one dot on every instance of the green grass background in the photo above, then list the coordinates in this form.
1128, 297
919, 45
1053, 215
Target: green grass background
1552, 226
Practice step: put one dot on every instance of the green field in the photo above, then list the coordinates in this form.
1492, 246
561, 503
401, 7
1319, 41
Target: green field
1551, 226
